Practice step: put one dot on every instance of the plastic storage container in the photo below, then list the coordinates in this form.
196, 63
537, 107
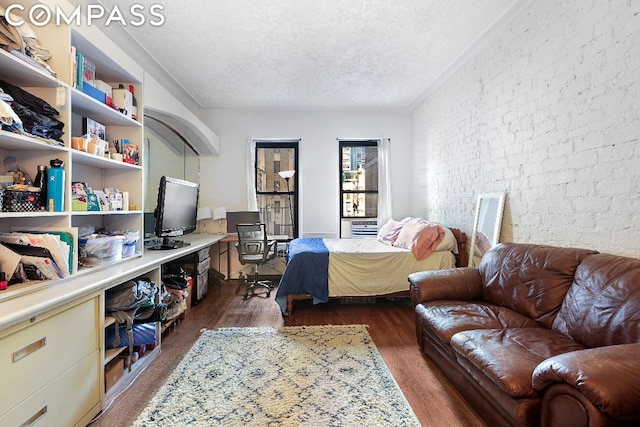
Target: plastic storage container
128, 249
100, 250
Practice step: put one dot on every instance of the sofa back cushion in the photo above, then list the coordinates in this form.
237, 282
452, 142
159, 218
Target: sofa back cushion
602, 307
530, 279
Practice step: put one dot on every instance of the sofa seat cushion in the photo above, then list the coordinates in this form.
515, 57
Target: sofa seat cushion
508, 357
446, 318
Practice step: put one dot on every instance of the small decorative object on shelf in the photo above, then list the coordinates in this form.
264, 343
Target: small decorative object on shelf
114, 196
91, 127
130, 153
79, 191
134, 104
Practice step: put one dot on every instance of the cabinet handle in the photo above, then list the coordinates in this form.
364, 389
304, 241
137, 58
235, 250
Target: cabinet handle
35, 417
31, 348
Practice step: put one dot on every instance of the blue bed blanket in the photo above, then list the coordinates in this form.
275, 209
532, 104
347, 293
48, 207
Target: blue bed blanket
307, 272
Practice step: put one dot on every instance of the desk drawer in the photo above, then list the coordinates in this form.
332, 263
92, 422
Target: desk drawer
64, 401
203, 254
203, 266
202, 286
35, 355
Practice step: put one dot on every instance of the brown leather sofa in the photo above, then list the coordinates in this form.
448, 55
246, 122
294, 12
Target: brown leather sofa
537, 335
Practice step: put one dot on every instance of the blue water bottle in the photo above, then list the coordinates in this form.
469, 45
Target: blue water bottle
55, 186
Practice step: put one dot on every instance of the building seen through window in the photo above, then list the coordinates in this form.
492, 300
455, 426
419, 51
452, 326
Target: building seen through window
359, 179
277, 196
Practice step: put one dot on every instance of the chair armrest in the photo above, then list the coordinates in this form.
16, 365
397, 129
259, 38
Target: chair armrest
452, 284
271, 248
608, 377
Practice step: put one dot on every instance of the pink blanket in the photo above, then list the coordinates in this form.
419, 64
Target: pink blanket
420, 236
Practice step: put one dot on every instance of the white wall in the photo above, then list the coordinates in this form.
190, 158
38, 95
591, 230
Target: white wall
550, 113
162, 160
160, 103
223, 178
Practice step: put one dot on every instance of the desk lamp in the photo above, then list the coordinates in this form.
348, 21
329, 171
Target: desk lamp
204, 213
219, 214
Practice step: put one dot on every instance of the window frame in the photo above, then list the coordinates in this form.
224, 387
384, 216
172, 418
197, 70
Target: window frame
280, 144
354, 143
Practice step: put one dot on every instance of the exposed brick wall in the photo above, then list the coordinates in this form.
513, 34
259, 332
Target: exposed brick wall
549, 112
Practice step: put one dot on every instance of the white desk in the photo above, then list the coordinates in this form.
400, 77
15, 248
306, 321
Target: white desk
23, 304
38, 310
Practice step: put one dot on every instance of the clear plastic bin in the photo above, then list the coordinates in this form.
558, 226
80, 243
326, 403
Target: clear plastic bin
100, 249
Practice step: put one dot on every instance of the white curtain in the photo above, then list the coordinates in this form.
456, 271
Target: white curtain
252, 199
384, 181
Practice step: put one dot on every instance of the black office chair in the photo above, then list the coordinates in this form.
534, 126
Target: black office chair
255, 248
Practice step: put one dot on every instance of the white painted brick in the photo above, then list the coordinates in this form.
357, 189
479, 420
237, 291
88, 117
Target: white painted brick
550, 113
624, 205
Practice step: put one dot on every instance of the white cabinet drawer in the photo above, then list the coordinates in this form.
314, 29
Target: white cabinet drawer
203, 254
33, 356
73, 396
203, 266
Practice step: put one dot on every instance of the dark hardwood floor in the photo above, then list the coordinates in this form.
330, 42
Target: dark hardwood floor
390, 324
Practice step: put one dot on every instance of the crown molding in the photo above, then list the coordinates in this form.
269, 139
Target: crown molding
493, 30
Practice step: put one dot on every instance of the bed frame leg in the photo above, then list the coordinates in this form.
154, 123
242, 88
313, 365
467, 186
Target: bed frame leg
289, 304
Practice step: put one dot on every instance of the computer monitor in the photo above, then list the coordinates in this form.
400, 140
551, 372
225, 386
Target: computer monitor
241, 217
176, 211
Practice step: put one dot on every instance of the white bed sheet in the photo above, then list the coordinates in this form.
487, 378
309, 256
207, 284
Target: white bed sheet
367, 267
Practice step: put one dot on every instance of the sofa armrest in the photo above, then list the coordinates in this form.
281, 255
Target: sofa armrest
452, 284
608, 377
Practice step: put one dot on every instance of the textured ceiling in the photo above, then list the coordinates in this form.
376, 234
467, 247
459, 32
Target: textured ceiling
312, 53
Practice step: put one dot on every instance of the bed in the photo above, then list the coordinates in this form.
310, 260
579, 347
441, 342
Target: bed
320, 268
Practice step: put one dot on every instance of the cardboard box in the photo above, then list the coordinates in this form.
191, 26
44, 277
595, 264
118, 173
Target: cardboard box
103, 86
123, 99
112, 373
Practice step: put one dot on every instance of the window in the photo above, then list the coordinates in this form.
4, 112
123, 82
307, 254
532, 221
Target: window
358, 179
277, 196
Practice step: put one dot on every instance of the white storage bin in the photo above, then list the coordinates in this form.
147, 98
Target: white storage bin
100, 249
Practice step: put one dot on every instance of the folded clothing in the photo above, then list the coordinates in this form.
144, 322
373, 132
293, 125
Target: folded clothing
36, 114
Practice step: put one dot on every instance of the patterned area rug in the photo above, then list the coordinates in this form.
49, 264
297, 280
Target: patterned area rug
291, 376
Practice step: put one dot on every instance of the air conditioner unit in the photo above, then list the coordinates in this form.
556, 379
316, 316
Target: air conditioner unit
364, 228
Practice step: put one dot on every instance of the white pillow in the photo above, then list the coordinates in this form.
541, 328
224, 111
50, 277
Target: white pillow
389, 232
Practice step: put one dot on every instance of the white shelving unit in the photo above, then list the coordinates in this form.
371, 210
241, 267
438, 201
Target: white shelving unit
114, 67
119, 355
73, 105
